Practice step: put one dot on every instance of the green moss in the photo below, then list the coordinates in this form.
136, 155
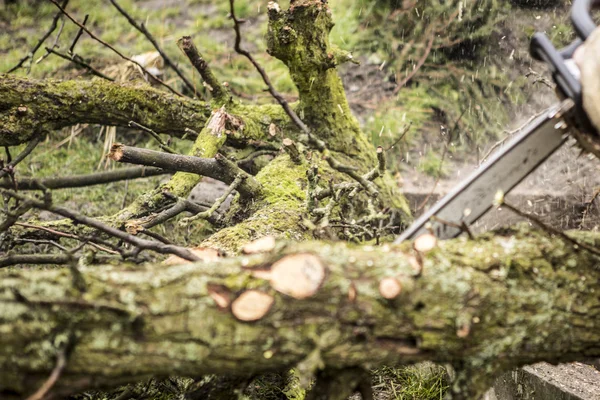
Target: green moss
277, 212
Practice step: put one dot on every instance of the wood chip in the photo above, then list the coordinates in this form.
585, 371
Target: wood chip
463, 331
352, 292
425, 243
262, 245
298, 275
251, 305
414, 263
390, 288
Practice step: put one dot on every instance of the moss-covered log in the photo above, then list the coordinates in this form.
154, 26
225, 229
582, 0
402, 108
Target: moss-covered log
29, 107
483, 306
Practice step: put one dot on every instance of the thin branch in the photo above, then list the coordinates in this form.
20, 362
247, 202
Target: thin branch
155, 135
439, 171
74, 181
55, 44
54, 232
218, 90
589, 207
41, 41
94, 223
208, 213
166, 58
61, 363
402, 135
550, 230
16, 259
254, 155
418, 66
181, 206
79, 33
74, 58
7, 170
218, 168
238, 48
96, 38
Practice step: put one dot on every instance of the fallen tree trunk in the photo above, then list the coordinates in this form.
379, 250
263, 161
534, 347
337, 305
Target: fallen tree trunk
30, 107
483, 306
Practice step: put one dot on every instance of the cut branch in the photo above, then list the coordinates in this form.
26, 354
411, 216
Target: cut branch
217, 168
218, 90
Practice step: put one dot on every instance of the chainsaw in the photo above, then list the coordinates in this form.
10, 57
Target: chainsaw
535, 142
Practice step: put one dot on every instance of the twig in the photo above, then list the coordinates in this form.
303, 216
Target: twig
79, 33
68, 235
208, 213
181, 206
237, 47
404, 132
219, 91
418, 66
74, 181
15, 259
550, 230
254, 155
350, 171
439, 171
74, 58
40, 42
218, 168
44, 241
589, 206
21, 156
55, 44
61, 363
145, 32
462, 226
94, 223
155, 135
508, 135
117, 52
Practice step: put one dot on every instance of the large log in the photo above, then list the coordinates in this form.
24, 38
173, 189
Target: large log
483, 306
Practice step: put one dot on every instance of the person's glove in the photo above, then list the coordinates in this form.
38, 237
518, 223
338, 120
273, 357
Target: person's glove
587, 58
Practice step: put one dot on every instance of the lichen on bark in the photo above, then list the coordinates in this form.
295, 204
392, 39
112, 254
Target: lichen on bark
475, 304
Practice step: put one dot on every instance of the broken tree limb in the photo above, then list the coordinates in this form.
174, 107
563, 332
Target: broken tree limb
483, 306
219, 92
94, 102
217, 168
82, 180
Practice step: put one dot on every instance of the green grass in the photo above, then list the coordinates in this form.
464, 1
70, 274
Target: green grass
23, 24
425, 381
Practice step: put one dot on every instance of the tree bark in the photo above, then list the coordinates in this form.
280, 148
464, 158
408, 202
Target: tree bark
484, 306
